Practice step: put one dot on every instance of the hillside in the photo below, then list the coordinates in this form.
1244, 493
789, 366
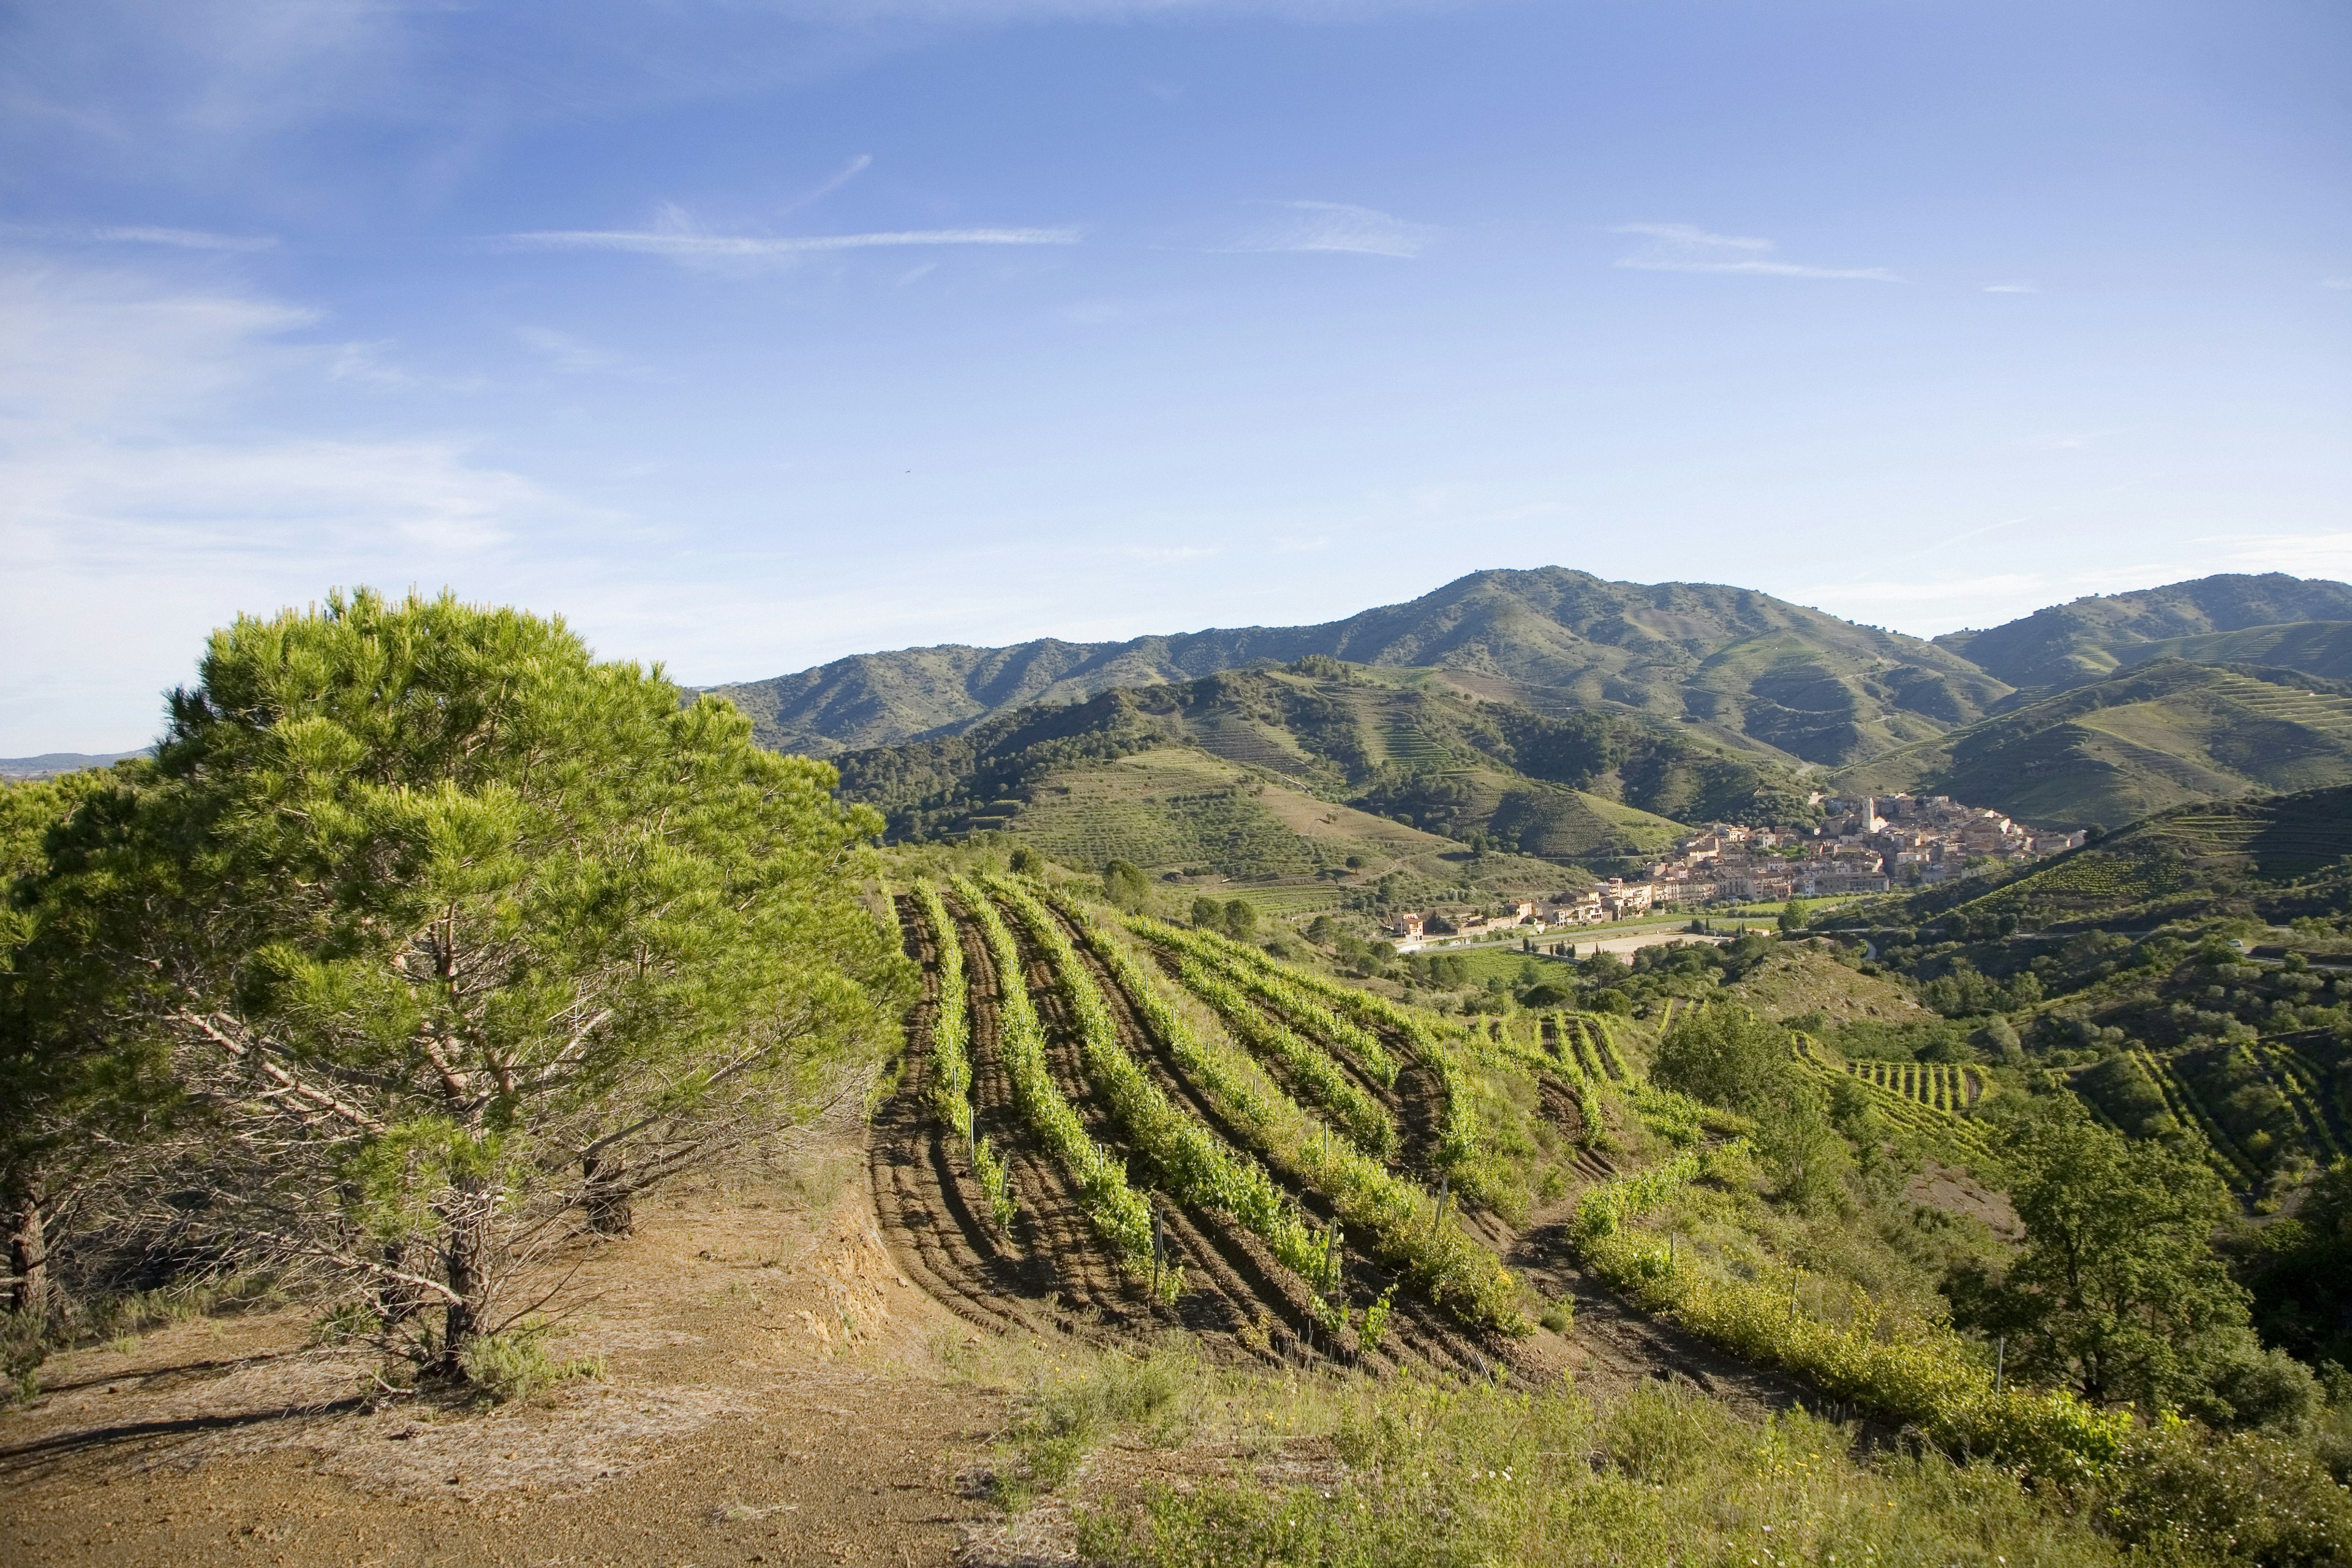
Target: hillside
2277, 857
2315, 648
49, 764
1278, 772
2066, 645
2121, 748
1797, 979
1740, 666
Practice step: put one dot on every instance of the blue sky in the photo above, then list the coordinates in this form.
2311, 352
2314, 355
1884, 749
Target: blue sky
750, 334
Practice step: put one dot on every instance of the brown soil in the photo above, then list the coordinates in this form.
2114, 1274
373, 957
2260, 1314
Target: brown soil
1956, 1191
771, 1392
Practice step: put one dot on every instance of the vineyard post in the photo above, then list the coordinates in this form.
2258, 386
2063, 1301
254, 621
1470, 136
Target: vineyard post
1158, 1250
1437, 1215
2000, 1362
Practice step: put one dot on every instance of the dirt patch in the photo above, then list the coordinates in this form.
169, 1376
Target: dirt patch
771, 1392
1957, 1191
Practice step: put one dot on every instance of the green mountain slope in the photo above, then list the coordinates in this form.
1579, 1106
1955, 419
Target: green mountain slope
2066, 645
2281, 855
2155, 737
2316, 648
1403, 749
1740, 666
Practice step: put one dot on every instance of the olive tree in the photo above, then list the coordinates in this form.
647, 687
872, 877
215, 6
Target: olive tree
454, 940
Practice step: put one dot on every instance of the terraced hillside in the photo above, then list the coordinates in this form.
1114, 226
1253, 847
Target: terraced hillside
2280, 856
1108, 1128
2323, 648
2120, 749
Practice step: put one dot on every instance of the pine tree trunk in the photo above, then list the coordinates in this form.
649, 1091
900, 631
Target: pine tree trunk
468, 1263
28, 1251
607, 1196
397, 1300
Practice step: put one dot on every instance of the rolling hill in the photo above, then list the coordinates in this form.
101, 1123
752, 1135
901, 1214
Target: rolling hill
2156, 736
1741, 666
49, 764
1287, 772
2066, 644
2315, 648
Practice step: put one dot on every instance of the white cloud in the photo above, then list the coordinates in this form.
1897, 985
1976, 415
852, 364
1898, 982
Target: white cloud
146, 502
1168, 554
976, 11
2067, 441
678, 237
176, 238
849, 171
1340, 227
1683, 233
2335, 283
2001, 584
1686, 247
2012, 288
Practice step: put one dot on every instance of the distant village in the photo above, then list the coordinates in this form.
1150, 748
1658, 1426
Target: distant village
1866, 844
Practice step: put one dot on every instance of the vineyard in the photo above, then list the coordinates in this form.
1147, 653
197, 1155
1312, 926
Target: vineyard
1926, 1100
1109, 1126
1938, 1085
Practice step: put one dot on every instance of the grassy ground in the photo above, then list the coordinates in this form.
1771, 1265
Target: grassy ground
1160, 1459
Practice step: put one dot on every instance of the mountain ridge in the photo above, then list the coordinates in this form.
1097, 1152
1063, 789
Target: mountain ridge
1751, 668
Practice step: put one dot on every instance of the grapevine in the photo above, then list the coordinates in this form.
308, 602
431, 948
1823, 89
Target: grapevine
1192, 1163
1356, 1113
1117, 1212
952, 1057
1396, 1215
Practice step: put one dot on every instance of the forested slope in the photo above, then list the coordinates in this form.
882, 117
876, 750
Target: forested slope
1402, 746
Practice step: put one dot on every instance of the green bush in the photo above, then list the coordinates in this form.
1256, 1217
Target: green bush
2178, 1494
513, 1363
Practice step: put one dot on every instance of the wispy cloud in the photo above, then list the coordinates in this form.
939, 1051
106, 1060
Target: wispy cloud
1693, 237
850, 171
1686, 247
677, 236
2012, 288
142, 477
2335, 283
1340, 227
142, 234
1917, 593
573, 356
2304, 555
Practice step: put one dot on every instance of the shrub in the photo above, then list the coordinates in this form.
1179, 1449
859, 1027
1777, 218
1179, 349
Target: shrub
2180, 1494
513, 1363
